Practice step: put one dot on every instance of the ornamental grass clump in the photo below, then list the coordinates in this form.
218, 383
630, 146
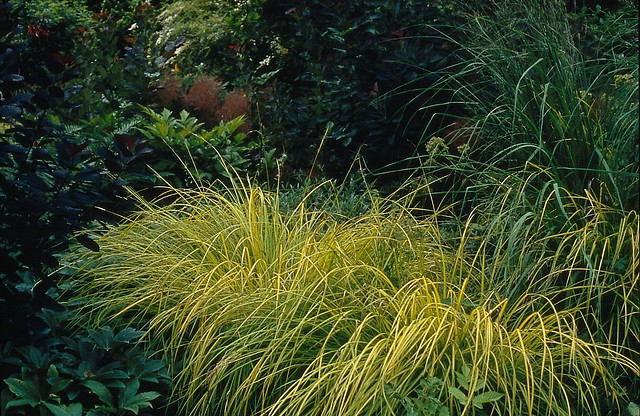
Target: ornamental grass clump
533, 96
572, 248
267, 313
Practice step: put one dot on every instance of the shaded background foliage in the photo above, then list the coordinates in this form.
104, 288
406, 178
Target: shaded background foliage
48, 184
343, 59
53, 184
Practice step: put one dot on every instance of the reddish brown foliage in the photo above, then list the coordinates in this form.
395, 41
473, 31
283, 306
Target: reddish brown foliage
204, 97
235, 104
204, 100
170, 93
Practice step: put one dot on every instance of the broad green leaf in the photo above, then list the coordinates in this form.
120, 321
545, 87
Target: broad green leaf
37, 358
129, 391
72, 395
430, 382
103, 338
486, 397
74, 409
112, 374
458, 394
56, 383
99, 390
462, 380
140, 401
59, 384
443, 411
24, 389
153, 366
52, 372
127, 335
19, 402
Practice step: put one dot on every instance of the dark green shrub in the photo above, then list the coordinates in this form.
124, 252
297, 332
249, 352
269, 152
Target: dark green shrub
107, 45
215, 37
114, 72
84, 372
342, 59
51, 184
341, 201
601, 32
124, 14
53, 25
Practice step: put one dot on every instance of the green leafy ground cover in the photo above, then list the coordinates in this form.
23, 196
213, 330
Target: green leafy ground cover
333, 208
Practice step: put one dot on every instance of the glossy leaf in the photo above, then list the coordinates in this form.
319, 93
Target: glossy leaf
24, 390
100, 390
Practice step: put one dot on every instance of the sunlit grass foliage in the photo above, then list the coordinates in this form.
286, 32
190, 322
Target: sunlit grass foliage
580, 253
265, 312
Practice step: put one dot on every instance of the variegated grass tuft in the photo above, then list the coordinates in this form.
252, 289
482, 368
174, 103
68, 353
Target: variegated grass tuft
262, 312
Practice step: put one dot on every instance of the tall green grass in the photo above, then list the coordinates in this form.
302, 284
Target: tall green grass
533, 96
262, 312
581, 253
551, 182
